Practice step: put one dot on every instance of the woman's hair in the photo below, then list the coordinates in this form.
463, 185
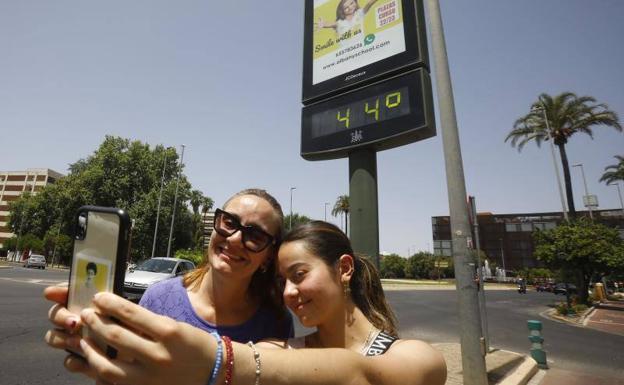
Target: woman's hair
263, 285
91, 266
340, 15
329, 243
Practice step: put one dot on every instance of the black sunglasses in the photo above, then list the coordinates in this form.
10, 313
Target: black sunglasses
254, 238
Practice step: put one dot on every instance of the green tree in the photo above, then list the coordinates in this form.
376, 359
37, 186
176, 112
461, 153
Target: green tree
614, 172
583, 248
420, 265
566, 115
120, 173
297, 219
392, 266
341, 207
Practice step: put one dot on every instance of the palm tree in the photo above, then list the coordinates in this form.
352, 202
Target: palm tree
196, 200
615, 172
566, 114
342, 207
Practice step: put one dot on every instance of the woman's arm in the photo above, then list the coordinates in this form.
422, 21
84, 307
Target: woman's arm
168, 351
368, 5
321, 24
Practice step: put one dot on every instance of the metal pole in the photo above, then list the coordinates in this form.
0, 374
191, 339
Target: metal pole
58, 233
482, 309
363, 207
162, 182
175, 201
290, 216
503, 258
554, 158
473, 360
589, 206
619, 194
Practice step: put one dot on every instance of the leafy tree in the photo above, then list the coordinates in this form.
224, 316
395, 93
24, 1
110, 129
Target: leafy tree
422, 265
341, 207
566, 115
194, 256
582, 248
120, 173
614, 172
297, 219
392, 266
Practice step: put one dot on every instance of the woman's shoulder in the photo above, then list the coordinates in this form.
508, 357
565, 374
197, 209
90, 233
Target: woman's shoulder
415, 359
161, 291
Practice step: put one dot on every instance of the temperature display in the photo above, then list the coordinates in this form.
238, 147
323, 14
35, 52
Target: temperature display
371, 110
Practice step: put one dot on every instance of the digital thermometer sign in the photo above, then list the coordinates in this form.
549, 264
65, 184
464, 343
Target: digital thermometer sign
385, 115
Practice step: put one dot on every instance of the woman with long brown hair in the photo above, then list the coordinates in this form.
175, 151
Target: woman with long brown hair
233, 292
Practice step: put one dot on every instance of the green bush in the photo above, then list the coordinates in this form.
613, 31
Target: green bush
562, 308
190, 255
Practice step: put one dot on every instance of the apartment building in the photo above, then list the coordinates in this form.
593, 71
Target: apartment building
15, 183
507, 239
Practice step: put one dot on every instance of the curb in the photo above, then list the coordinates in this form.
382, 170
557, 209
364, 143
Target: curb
522, 374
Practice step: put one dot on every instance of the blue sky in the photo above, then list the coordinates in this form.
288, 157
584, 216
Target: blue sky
224, 78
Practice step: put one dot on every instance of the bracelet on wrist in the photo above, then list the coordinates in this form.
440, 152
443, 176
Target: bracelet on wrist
218, 359
257, 360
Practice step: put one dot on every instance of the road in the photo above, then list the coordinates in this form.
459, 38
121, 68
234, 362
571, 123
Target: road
424, 314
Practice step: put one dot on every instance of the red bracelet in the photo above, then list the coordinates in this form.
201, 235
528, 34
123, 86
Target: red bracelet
229, 364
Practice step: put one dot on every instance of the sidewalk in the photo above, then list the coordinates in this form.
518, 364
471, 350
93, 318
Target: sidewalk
556, 376
607, 317
503, 367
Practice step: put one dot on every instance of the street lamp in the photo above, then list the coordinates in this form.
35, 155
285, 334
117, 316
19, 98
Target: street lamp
175, 201
162, 182
290, 218
326, 203
503, 258
552, 151
619, 194
588, 203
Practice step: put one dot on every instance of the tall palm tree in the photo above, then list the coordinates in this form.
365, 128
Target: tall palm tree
342, 207
566, 114
196, 200
615, 172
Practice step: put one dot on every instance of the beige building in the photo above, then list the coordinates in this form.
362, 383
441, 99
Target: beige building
15, 183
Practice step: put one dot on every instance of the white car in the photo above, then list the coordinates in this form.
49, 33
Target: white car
150, 271
35, 261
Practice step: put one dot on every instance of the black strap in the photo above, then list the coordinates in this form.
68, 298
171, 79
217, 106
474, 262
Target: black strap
380, 344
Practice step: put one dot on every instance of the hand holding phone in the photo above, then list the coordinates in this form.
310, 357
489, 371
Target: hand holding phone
101, 244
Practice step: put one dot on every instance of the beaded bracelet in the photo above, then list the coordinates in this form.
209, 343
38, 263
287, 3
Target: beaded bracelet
218, 359
229, 364
257, 359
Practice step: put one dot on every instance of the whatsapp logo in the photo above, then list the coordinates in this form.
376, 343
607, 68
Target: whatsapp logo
369, 39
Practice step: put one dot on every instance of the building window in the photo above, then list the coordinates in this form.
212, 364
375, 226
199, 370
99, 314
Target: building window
544, 225
443, 248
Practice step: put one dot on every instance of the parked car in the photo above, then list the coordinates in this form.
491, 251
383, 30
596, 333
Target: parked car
151, 271
560, 288
35, 261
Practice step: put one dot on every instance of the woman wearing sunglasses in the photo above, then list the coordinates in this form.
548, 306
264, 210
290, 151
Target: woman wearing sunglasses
233, 293
325, 284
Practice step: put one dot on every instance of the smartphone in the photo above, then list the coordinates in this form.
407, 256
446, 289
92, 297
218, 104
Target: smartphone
101, 246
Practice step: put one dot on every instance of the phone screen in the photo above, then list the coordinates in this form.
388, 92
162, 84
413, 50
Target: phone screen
95, 257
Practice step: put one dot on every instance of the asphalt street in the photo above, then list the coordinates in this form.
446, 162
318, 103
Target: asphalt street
424, 314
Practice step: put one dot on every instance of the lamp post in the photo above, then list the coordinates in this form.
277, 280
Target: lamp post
175, 201
589, 204
290, 217
162, 182
503, 258
326, 203
552, 152
619, 194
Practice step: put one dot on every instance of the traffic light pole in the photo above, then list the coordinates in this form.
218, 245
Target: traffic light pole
473, 360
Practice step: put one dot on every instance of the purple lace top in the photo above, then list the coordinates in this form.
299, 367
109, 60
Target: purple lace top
169, 298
